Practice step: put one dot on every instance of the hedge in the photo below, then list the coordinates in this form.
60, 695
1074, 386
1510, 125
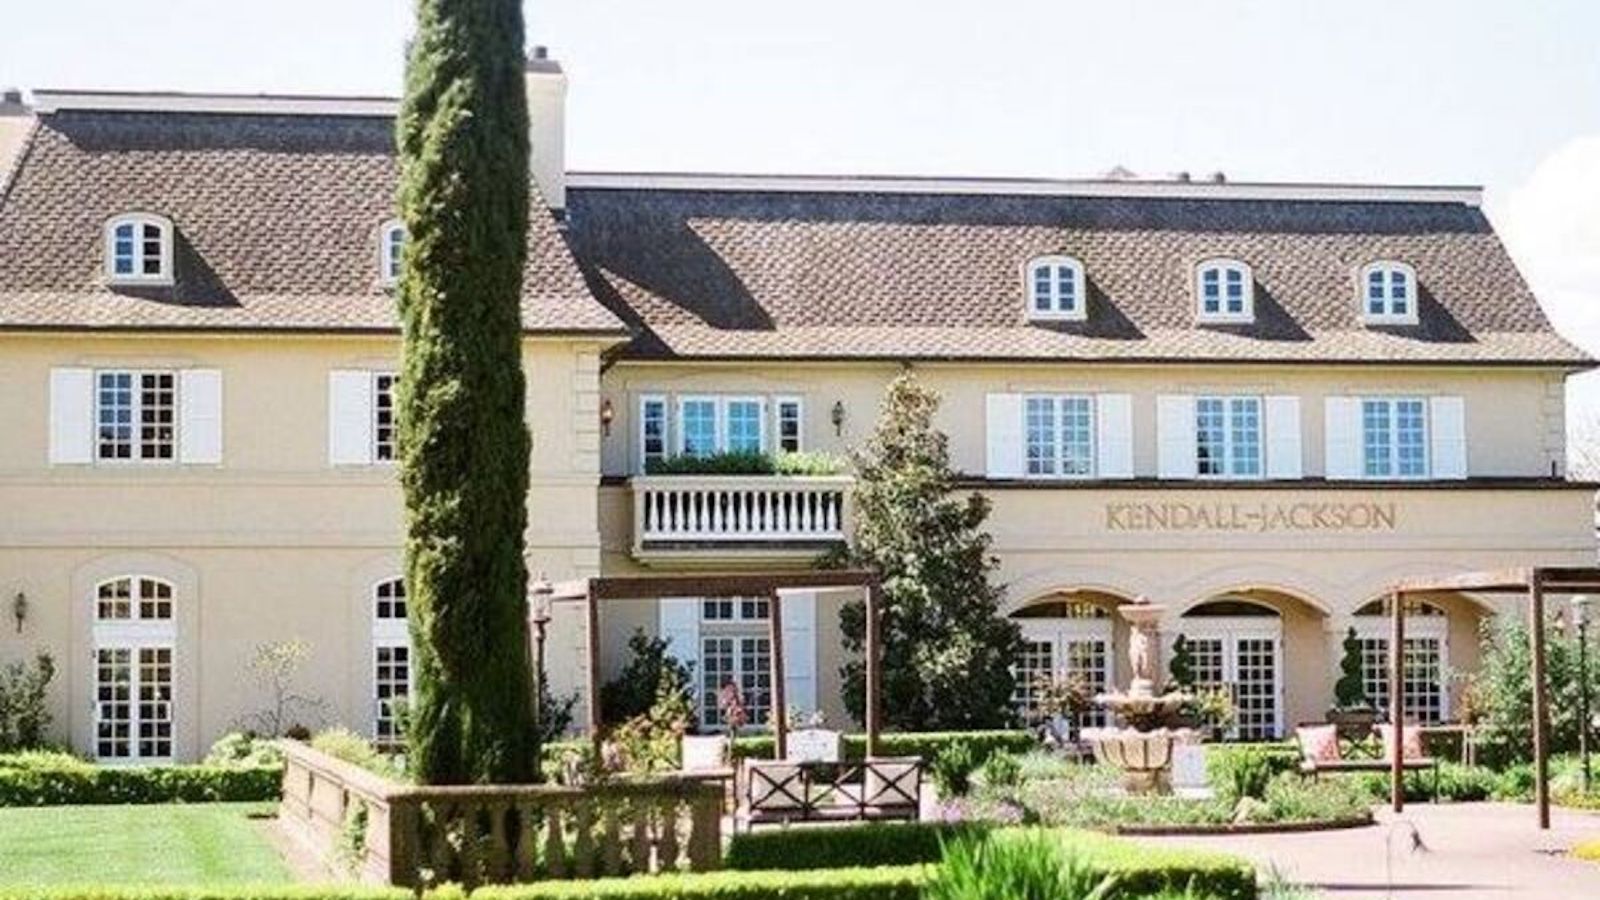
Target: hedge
926, 744
58, 779
877, 844
888, 883
1140, 868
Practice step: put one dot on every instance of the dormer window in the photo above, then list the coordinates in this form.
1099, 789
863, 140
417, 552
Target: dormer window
391, 250
1225, 291
1388, 292
139, 249
1055, 288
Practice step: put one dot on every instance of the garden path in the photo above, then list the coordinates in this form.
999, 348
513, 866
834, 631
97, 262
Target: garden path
1473, 850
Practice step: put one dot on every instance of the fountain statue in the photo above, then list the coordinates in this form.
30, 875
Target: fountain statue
1142, 746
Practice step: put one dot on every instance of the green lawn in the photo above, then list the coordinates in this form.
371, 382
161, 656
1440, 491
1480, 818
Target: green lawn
206, 843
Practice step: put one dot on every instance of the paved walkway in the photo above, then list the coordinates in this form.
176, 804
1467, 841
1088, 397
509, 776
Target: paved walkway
1470, 850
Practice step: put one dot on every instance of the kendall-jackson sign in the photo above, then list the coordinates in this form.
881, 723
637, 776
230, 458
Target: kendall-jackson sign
1250, 517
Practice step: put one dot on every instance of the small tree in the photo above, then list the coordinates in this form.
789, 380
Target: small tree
272, 667
636, 688
1350, 691
1181, 667
24, 703
1502, 690
947, 652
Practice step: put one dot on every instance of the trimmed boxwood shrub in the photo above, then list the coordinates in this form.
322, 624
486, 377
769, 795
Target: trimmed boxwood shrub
59, 779
877, 844
926, 744
888, 883
1143, 869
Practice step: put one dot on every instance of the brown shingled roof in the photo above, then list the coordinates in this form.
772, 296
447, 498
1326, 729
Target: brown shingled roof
276, 220
705, 273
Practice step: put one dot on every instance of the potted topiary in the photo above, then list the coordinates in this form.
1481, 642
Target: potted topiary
1353, 713
1180, 679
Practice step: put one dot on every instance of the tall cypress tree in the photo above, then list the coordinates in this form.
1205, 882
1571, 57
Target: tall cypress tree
463, 139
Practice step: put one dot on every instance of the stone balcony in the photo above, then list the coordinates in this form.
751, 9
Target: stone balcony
723, 516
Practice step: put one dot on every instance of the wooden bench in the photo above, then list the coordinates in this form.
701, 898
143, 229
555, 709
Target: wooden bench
783, 791
1366, 756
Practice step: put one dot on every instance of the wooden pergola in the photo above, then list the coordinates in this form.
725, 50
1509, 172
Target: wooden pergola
1536, 582
594, 591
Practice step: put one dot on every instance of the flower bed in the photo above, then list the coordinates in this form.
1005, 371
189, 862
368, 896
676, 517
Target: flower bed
1247, 797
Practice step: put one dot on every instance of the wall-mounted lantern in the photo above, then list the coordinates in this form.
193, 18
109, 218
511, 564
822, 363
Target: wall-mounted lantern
19, 609
836, 416
607, 413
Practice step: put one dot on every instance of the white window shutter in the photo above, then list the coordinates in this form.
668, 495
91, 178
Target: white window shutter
1283, 437
1004, 430
678, 620
200, 416
1114, 435
1447, 425
349, 417
1342, 438
800, 651
1177, 453
71, 416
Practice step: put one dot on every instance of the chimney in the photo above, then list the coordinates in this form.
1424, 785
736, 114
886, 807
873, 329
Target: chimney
546, 87
1219, 178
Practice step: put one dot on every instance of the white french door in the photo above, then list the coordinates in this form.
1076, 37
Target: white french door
133, 702
1245, 656
1064, 648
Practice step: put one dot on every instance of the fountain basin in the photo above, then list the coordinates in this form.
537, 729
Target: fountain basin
1145, 757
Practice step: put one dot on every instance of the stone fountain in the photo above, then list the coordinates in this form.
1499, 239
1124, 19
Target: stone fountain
1143, 743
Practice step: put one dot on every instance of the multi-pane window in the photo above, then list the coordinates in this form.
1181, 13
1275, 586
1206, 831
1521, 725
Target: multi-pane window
390, 600
1388, 293
697, 422
391, 252
744, 426
1224, 288
1228, 437
391, 683
1060, 436
1234, 646
789, 414
133, 702
133, 599
1086, 661
1055, 288
652, 430
384, 432
1037, 662
743, 660
1422, 680
391, 658
138, 249
1394, 438
708, 425
135, 416
735, 649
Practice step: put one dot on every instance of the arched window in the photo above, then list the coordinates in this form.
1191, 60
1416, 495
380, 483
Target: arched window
1388, 293
391, 251
139, 249
1427, 655
134, 635
1055, 288
391, 659
1237, 644
133, 599
1225, 291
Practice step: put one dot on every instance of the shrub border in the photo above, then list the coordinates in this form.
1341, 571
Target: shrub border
1243, 828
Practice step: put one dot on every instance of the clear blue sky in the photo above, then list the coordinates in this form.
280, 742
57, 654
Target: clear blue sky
1495, 93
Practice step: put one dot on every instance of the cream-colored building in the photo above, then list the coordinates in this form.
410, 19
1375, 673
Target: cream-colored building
1256, 405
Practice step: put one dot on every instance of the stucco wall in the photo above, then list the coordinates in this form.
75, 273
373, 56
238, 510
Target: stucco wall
273, 543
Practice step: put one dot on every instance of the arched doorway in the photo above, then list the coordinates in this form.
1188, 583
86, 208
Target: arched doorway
1423, 694
1237, 644
1064, 637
